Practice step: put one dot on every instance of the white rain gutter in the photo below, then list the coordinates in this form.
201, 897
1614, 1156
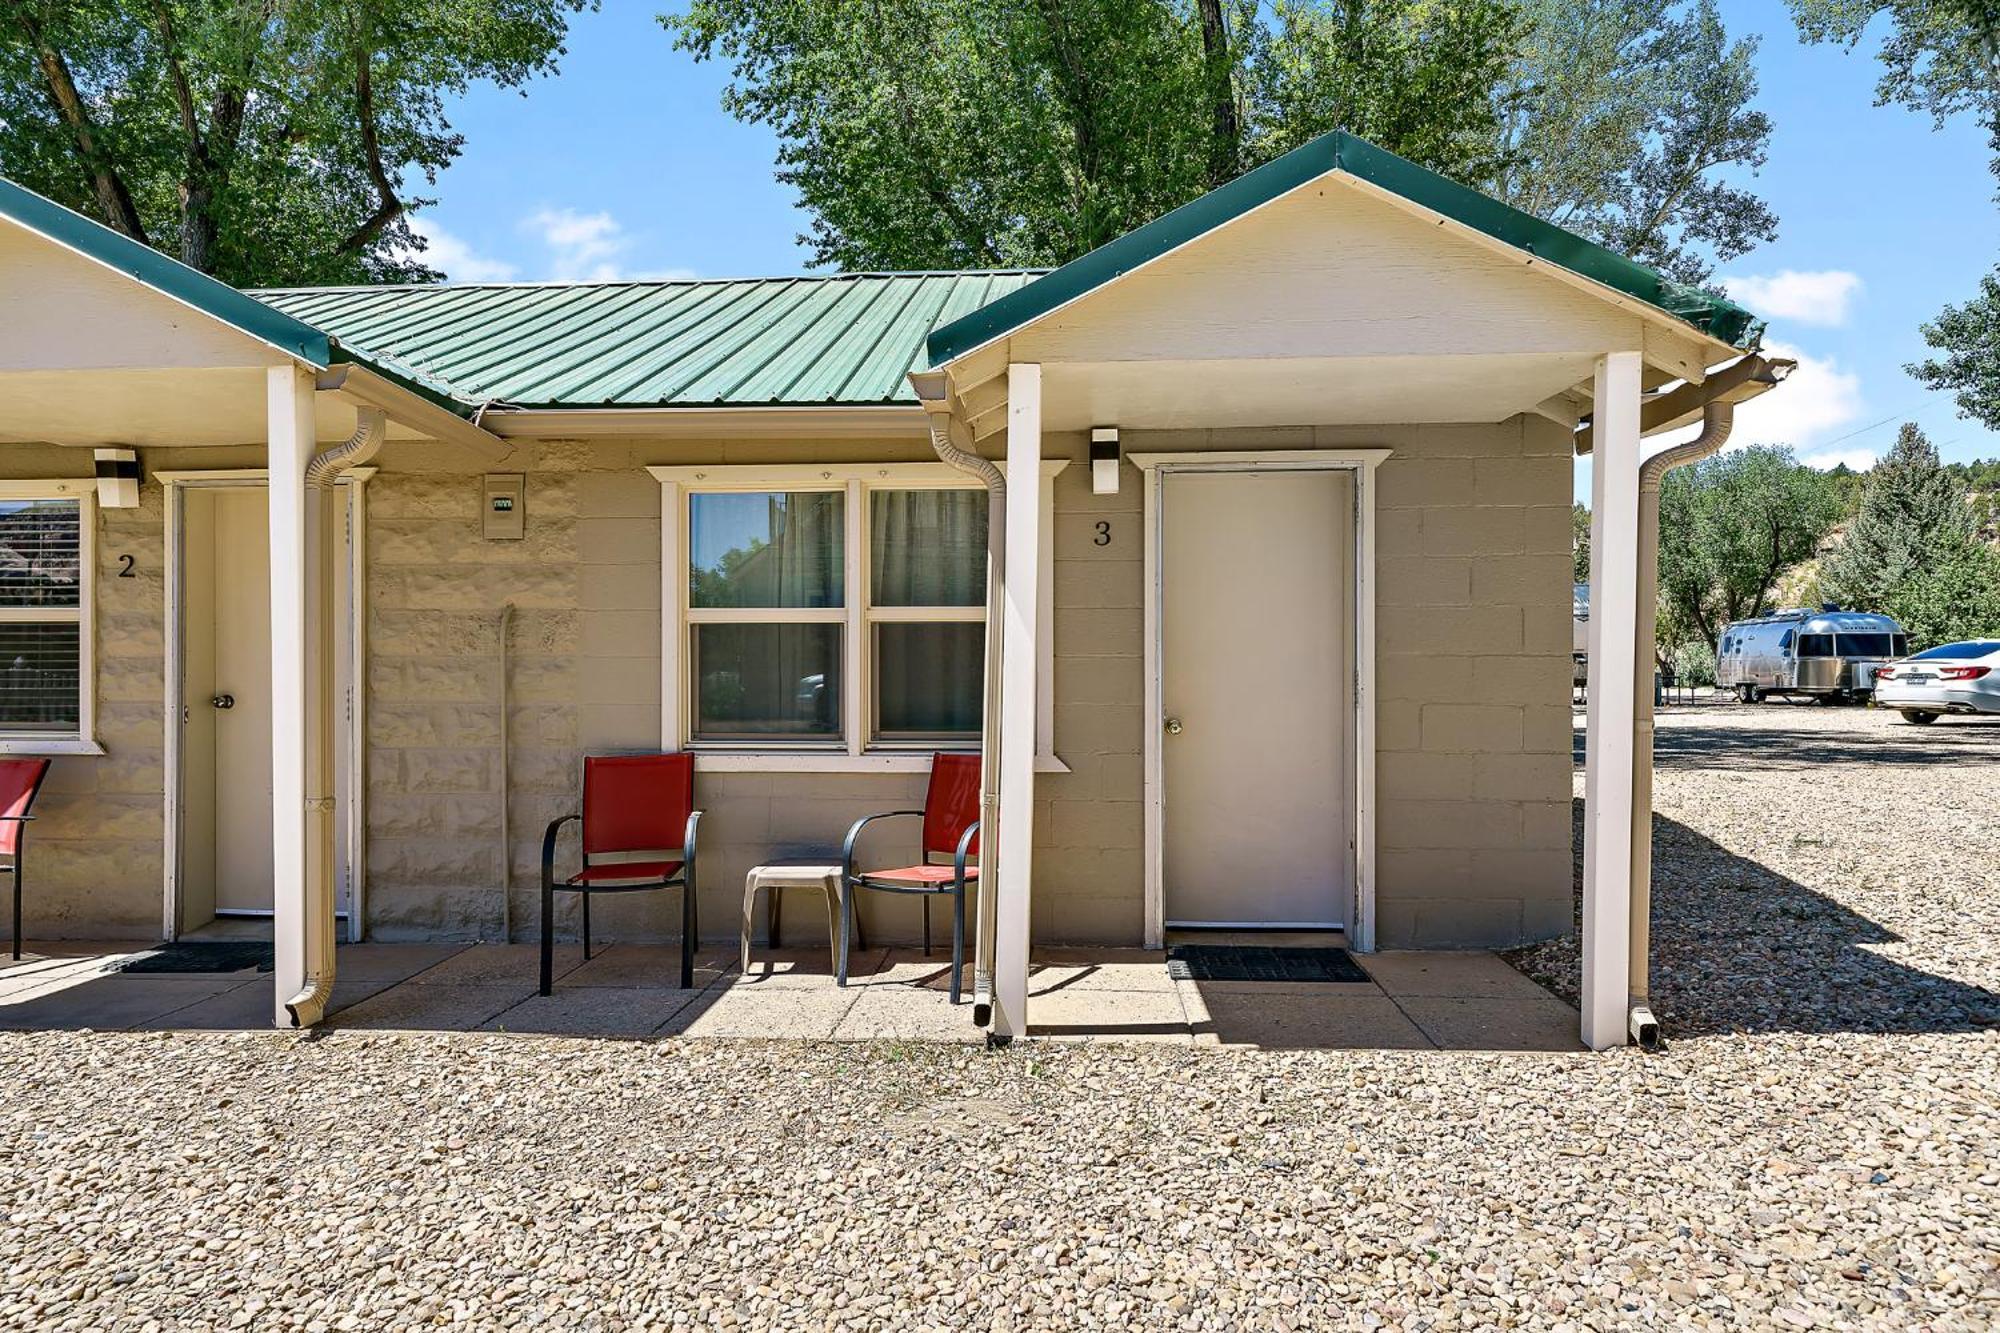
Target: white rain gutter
932, 390
309, 1006
1718, 418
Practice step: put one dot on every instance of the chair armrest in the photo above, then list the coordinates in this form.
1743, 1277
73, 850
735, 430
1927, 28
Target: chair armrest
687, 845
964, 842
549, 846
854, 834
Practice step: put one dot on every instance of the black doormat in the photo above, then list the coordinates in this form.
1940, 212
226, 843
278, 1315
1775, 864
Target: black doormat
1241, 962
201, 956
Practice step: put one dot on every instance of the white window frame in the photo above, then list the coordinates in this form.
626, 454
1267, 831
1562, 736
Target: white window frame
856, 750
84, 739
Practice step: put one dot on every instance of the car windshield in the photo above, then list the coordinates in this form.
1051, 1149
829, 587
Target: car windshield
1959, 651
1866, 645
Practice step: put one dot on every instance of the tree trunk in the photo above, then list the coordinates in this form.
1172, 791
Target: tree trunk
1225, 148
114, 200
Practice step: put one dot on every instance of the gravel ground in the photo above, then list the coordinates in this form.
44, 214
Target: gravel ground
1795, 1160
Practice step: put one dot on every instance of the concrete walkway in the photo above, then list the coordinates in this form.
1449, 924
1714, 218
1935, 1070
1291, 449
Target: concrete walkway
1418, 1001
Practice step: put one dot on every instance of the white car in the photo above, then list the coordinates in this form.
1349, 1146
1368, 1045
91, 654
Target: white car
1951, 678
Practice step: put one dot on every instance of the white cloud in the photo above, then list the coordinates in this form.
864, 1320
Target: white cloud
589, 247
455, 259
1818, 298
583, 247
1816, 401
1858, 460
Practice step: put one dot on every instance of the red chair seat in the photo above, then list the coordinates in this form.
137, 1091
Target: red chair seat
631, 871
918, 876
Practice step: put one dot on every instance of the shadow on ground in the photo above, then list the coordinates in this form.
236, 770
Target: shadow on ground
1738, 947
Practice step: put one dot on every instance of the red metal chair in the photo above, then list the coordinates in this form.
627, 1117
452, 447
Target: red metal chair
638, 809
950, 831
20, 783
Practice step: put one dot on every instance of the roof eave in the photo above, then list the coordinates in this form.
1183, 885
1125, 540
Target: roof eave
1611, 276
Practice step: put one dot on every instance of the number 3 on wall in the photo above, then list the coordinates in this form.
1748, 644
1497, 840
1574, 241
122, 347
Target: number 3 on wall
1103, 537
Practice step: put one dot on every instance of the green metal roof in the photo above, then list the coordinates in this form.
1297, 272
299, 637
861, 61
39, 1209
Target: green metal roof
1333, 152
845, 340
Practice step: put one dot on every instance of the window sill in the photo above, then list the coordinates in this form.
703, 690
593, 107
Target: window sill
775, 761
48, 745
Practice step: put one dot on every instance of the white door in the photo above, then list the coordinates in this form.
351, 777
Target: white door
1257, 686
241, 702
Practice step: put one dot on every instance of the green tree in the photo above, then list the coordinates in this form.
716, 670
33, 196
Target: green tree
262, 141
1579, 543
965, 133
1630, 122
1967, 340
1940, 58
1729, 526
1956, 596
1418, 78
1913, 517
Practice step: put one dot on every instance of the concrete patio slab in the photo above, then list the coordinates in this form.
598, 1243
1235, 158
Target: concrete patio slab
645, 967
390, 962
805, 968
730, 1011
1089, 970
909, 967
1542, 1023
905, 1013
433, 1007
594, 1011
115, 1000
1109, 1015
497, 965
1335, 1018
1469, 975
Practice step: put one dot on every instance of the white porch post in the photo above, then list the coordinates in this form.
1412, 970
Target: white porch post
1607, 799
290, 438
1018, 629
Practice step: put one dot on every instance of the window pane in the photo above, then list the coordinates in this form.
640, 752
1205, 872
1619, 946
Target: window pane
765, 549
927, 548
766, 681
1866, 645
38, 552
38, 677
1815, 645
928, 680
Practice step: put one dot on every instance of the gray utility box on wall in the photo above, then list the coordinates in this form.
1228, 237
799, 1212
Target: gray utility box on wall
503, 508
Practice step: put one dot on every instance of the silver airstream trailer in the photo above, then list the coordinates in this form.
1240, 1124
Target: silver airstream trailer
1828, 654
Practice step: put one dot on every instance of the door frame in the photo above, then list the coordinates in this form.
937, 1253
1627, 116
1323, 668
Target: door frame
351, 652
1362, 462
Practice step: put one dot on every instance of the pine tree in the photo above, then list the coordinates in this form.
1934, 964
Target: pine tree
1913, 518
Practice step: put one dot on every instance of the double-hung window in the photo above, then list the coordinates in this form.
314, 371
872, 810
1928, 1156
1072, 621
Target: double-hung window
824, 610
45, 616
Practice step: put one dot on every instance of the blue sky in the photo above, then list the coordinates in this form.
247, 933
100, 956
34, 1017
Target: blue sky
625, 165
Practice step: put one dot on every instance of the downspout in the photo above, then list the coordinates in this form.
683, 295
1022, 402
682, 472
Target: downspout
1718, 418
309, 1005
931, 389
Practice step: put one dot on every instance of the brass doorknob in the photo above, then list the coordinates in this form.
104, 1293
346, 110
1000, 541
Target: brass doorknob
1173, 726
224, 701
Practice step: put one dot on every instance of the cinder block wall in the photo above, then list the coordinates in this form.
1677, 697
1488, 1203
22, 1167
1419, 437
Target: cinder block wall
1473, 548
1472, 670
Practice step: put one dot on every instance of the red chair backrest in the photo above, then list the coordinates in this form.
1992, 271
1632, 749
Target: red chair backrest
20, 780
952, 803
636, 802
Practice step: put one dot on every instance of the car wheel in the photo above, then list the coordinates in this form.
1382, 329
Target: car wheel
1919, 717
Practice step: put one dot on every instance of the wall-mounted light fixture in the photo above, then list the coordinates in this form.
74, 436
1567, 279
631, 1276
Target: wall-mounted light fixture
117, 478
1104, 460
